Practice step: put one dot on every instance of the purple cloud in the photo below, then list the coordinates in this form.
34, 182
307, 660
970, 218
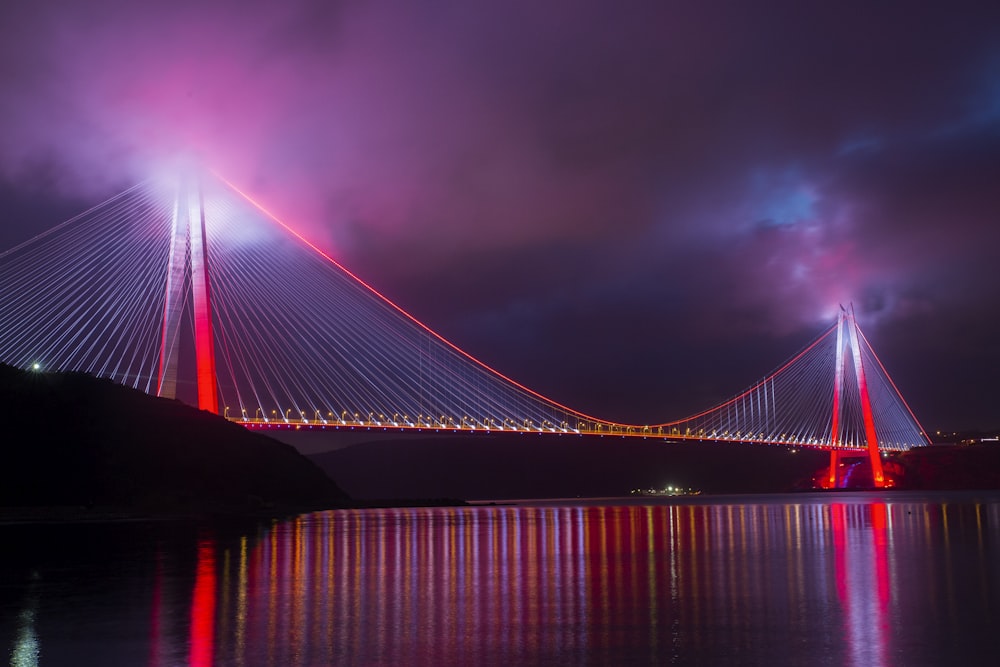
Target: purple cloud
708, 178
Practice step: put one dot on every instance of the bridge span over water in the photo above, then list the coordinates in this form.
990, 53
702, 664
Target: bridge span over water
281, 336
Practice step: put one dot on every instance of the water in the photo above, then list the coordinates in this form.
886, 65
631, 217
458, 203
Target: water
846, 579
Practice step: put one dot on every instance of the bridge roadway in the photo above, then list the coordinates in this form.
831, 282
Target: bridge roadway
448, 425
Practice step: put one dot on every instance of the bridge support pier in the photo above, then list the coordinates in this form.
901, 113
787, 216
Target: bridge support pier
846, 319
188, 259
874, 455
834, 480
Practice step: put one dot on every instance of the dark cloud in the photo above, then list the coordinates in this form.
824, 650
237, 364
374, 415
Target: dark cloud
635, 208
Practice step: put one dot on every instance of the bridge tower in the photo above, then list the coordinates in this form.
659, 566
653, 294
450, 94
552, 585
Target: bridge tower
847, 324
188, 266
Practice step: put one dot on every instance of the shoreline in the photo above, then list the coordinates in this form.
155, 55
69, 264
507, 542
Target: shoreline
14, 516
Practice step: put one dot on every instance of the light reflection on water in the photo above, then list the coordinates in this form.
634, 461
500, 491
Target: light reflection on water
870, 581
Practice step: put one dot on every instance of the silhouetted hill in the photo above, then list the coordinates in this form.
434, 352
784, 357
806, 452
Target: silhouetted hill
934, 468
499, 466
71, 439
948, 467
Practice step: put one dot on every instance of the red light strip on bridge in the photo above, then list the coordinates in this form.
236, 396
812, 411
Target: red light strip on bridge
885, 374
413, 319
756, 386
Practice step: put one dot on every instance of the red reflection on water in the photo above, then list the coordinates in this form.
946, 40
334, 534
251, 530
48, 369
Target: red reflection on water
880, 539
879, 536
530, 585
839, 524
203, 607
861, 563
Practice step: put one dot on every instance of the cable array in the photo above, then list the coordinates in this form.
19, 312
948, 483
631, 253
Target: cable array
88, 294
794, 405
301, 340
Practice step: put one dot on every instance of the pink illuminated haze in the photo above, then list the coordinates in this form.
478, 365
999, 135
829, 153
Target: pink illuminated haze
531, 165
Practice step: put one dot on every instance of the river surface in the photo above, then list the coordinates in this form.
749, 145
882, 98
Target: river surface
836, 579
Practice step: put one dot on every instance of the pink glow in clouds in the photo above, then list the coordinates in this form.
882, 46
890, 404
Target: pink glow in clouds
508, 171
336, 117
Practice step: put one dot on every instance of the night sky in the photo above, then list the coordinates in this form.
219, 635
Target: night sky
638, 209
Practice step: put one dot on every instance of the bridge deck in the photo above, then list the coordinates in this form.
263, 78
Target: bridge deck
621, 431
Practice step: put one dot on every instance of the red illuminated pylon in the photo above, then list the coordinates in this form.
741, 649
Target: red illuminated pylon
188, 258
846, 320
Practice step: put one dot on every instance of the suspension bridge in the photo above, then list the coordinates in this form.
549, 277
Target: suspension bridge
167, 275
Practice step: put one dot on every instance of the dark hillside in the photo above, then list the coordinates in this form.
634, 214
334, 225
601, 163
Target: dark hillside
71, 439
952, 467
